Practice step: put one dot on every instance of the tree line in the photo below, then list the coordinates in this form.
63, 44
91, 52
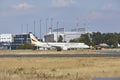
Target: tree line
96, 38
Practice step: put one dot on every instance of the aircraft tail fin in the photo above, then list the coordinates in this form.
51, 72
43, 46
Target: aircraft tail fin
33, 38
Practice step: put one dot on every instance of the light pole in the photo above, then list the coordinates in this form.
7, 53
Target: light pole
21, 33
57, 30
46, 25
77, 24
40, 28
27, 28
34, 27
51, 24
27, 33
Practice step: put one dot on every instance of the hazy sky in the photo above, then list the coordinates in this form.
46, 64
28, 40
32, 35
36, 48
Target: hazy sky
95, 15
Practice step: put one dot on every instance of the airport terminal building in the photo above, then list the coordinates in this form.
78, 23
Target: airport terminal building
13, 40
67, 36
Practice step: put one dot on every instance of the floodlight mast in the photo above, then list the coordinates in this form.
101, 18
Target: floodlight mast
27, 33
57, 30
40, 29
46, 25
51, 24
34, 27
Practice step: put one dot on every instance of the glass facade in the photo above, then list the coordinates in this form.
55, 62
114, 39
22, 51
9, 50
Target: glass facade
14, 41
20, 39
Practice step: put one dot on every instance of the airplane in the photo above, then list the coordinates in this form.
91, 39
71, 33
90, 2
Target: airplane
58, 46
118, 45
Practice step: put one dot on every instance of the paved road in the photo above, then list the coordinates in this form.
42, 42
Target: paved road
59, 55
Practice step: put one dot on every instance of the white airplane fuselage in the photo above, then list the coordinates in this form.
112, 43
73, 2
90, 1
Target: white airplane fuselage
63, 46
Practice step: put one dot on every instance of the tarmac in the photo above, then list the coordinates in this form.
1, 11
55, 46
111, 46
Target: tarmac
59, 55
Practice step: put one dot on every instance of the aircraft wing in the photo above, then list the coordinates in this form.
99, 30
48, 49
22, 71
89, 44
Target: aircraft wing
58, 48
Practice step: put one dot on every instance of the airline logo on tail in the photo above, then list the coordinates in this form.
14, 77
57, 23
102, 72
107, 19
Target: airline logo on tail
34, 40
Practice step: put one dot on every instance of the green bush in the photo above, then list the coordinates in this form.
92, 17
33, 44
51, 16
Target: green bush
27, 46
